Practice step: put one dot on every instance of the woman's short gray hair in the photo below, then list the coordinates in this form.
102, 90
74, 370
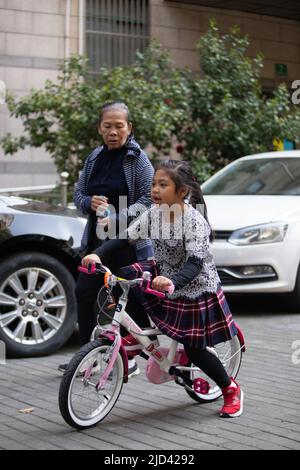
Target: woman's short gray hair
114, 105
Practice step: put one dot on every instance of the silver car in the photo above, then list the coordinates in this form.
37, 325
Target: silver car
39, 246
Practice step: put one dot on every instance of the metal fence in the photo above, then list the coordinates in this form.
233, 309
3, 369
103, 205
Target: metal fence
115, 30
57, 193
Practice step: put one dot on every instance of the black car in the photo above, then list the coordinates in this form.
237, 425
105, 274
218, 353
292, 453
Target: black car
39, 246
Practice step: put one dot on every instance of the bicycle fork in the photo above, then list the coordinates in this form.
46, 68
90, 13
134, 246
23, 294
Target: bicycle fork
111, 354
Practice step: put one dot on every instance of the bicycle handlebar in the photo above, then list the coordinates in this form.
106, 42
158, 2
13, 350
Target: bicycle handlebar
82, 269
144, 282
94, 268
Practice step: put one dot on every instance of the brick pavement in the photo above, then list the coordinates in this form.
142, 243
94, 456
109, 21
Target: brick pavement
161, 417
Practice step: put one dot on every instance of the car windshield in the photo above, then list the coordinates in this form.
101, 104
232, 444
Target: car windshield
267, 176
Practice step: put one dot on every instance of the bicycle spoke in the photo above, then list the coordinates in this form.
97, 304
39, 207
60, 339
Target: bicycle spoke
87, 404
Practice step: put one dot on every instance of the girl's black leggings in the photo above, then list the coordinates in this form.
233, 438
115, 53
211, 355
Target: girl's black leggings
209, 364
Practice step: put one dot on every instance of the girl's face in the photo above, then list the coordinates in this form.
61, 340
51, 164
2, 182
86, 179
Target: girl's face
164, 190
114, 128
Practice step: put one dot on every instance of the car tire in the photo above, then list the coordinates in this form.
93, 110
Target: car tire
295, 296
37, 304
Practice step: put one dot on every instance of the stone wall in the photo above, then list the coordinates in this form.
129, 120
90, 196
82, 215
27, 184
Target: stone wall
179, 25
32, 43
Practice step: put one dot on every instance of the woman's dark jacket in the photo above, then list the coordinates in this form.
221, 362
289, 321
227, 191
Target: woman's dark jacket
138, 174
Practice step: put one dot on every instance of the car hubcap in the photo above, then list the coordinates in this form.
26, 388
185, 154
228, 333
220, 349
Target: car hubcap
32, 306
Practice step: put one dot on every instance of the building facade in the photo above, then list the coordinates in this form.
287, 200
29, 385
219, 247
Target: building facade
36, 35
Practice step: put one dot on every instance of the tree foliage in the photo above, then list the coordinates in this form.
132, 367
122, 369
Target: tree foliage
229, 116
63, 117
211, 118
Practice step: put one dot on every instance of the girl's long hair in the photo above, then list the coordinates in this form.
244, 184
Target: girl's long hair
181, 173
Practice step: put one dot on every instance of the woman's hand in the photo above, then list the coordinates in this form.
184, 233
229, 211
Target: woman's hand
162, 283
92, 258
99, 202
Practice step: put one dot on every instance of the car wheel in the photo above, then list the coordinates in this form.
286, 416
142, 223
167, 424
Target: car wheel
295, 296
37, 304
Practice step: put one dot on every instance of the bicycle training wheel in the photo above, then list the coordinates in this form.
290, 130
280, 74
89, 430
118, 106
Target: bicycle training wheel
230, 354
80, 403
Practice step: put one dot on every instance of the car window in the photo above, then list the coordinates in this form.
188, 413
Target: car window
270, 176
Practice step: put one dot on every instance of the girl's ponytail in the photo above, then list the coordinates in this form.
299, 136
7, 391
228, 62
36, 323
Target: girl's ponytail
196, 199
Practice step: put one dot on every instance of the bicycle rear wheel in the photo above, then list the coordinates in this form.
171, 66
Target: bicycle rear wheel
80, 403
230, 354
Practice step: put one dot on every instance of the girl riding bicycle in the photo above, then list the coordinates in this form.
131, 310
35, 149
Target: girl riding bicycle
196, 314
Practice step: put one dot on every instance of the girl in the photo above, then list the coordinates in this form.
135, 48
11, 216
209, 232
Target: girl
196, 314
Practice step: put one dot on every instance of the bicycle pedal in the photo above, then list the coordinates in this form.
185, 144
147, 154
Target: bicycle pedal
180, 378
144, 356
201, 386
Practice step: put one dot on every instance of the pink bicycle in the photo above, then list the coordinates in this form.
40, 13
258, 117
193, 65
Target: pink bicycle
95, 376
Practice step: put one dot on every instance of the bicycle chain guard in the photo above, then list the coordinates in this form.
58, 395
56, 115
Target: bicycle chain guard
153, 371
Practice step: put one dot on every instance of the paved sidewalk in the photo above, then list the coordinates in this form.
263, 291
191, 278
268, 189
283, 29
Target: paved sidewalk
161, 417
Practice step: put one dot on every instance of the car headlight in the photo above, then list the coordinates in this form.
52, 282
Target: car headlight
259, 234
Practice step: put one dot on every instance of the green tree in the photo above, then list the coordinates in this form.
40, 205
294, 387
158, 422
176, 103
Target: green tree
211, 118
63, 116
229, 116
157, 95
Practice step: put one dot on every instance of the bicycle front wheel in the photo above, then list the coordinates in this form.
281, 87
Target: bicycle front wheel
81, 404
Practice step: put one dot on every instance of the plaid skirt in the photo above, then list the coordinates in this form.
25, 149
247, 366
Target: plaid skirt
200, 322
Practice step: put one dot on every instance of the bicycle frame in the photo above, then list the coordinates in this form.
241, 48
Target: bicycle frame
122, 318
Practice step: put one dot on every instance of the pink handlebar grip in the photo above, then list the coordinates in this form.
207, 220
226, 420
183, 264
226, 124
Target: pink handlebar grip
157, 293
92, 269
154, 292
82, 269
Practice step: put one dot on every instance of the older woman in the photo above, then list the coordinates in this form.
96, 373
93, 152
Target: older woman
117, 168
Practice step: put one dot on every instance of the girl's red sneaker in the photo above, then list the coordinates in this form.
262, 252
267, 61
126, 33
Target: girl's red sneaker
233, 401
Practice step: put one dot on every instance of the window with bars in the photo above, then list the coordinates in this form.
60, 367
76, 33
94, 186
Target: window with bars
115, 30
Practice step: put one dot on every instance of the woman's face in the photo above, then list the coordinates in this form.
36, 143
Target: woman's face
114, 128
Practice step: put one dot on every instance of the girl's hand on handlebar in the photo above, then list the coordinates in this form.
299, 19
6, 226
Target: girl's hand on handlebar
162, 284
92, 258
